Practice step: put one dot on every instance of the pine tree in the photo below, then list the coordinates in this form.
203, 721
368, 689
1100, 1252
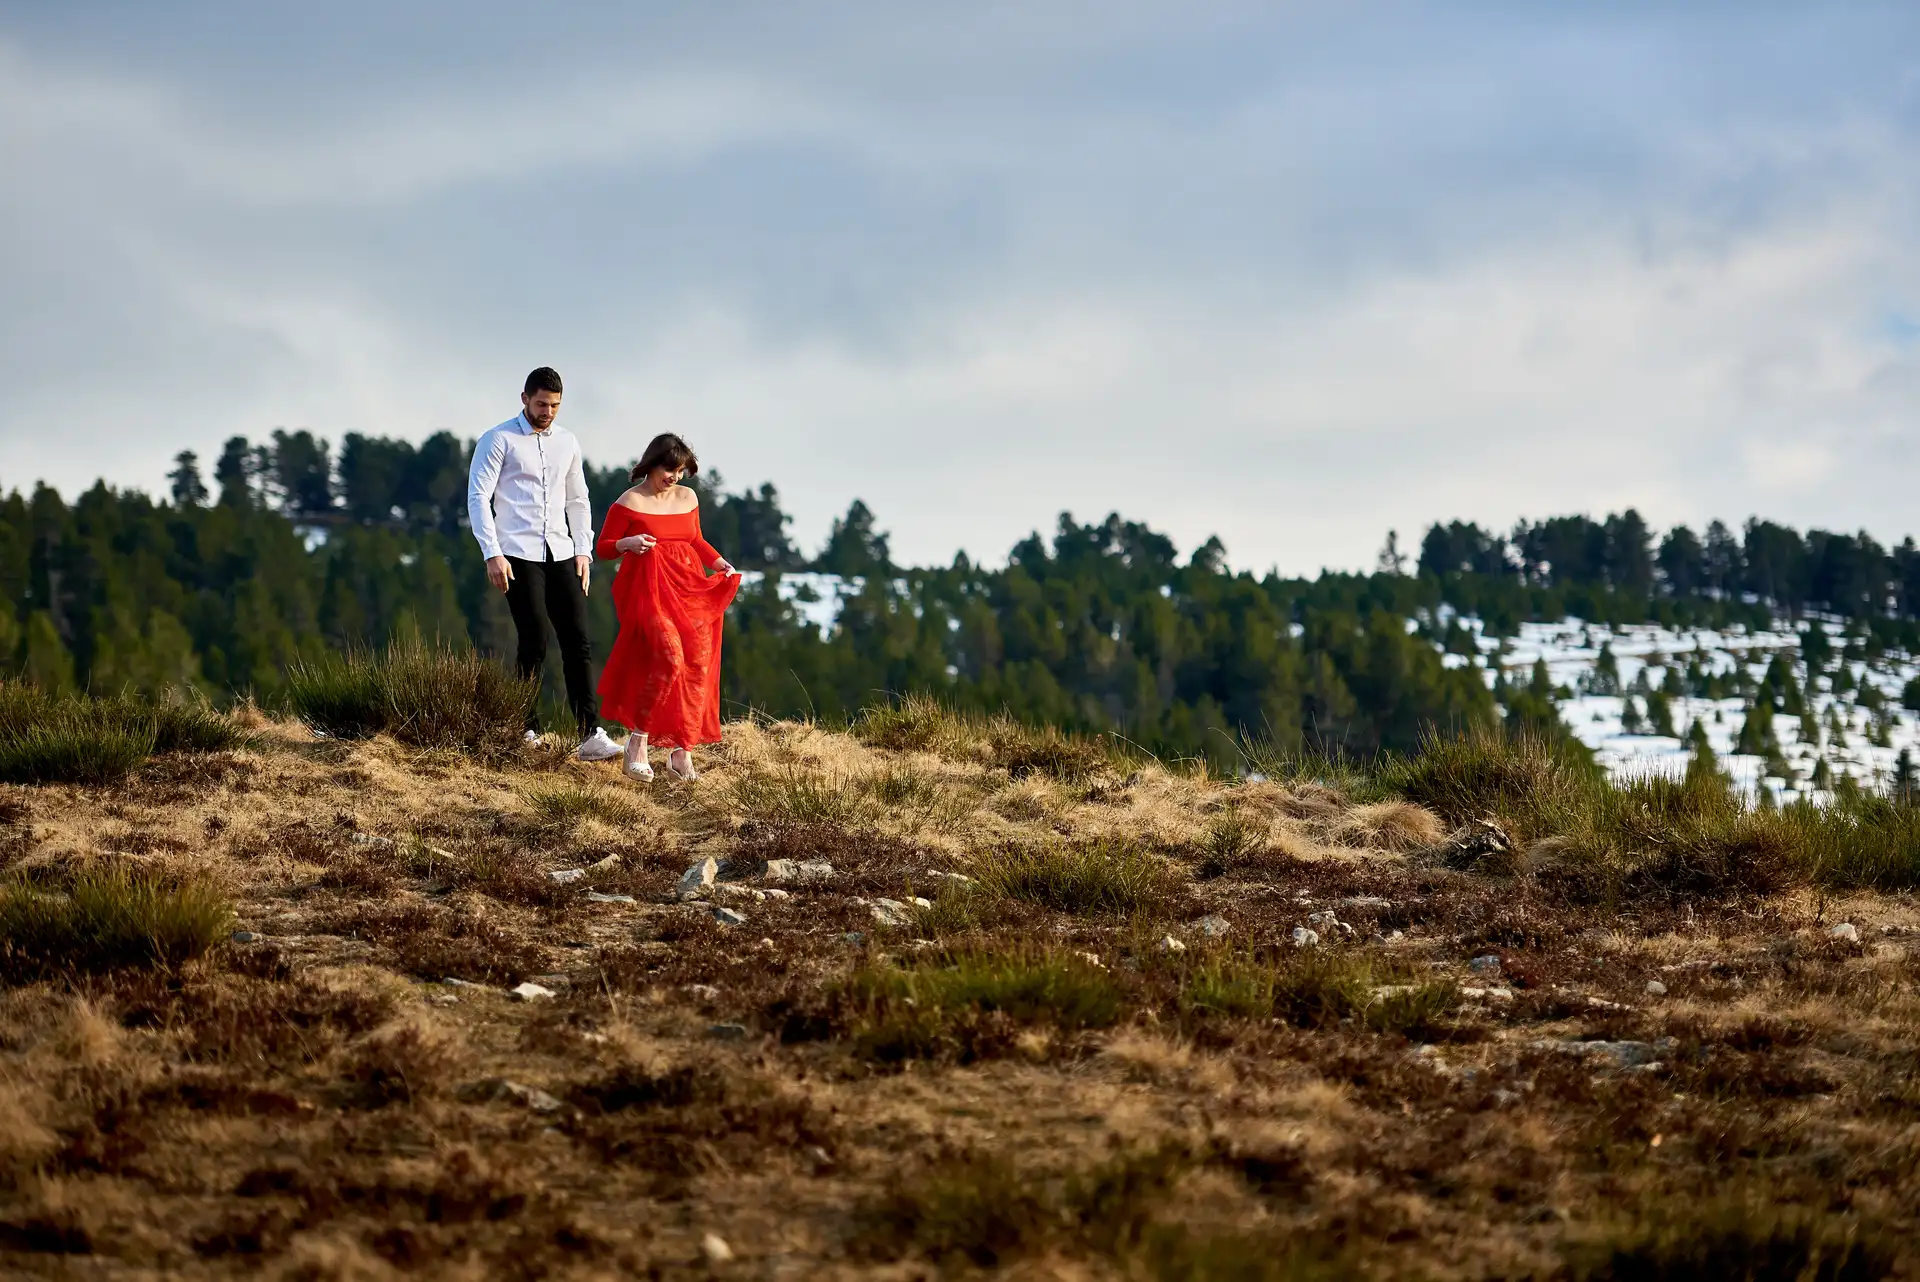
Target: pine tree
1906, 785
47, 663
1660, 714
1606, 672
1672, 685
1756, 737
187, 487
1823, 775
1702, 764
1631, 722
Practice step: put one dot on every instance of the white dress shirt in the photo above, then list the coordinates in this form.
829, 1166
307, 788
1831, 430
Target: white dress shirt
527, 494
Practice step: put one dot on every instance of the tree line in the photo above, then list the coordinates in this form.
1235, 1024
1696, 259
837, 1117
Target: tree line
295, 549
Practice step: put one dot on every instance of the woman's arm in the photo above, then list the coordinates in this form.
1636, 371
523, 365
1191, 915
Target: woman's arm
709, 554
610, 530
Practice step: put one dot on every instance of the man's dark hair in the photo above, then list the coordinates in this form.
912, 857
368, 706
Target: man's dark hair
544, 379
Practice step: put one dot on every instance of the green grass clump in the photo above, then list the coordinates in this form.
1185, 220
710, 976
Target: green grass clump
789, 797
968, 1004
916, 723
1533, 787
919, 799
107, 919
1313, 989
1105, 875
564, 803
73, 738
1233, 839
426, 696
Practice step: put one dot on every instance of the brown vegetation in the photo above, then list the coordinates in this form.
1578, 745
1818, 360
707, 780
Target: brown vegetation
1077, 1039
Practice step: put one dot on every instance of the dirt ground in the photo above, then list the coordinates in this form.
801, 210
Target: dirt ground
1467, 1076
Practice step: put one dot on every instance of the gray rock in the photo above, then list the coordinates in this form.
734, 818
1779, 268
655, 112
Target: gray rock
1304, 938
1618, 1054
450, 982
565, 876
1487, 964
803, 872
890, 912
774, 892
1847, 931
1170, 945
595, 897
728, 917
727, 1032
854, 937
495, 1089
246, 937
1212, 926
955, 878
555, 980
529, 992
1372, 902
1656, 989
697, 881
704, 992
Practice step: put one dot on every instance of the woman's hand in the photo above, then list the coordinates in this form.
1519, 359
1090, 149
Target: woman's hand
634, 543
724, 566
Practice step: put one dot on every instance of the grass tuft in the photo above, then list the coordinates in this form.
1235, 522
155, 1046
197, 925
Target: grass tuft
1315, 989
1740, 1244
563, 803
1104, 875
46, 738
107, 919
426, 696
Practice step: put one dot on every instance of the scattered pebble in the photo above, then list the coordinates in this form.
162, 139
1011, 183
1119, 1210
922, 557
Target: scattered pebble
1304, 938
715, 1248
1641, 1055
728, 917
1091, 959
1487, 964
727, 1032
703, 992
246, 937
529, 991
777, 893
1846, 930
1213, 925
1656, 989
595, 897
958, 879
800, 871
564, 876
697, 881
450, 982
1366, 901
1170, 945
500, 1088
854, 937
890, 912
604, 865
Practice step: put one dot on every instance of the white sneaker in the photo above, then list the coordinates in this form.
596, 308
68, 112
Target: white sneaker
598, 747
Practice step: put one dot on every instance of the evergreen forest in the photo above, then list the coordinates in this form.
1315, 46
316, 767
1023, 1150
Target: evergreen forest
287, 549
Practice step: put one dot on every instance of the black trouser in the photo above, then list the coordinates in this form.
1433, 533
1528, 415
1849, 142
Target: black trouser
550, 590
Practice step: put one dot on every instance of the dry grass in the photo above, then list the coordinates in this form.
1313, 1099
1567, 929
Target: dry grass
1059, 1069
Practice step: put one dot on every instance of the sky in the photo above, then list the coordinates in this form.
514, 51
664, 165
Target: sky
1292, 274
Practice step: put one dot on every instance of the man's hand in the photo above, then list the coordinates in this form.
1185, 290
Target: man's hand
499, 573
583, 566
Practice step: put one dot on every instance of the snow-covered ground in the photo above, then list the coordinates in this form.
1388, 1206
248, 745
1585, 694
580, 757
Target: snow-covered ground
1571, 650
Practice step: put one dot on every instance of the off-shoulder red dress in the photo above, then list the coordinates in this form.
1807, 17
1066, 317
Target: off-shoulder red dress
663, 677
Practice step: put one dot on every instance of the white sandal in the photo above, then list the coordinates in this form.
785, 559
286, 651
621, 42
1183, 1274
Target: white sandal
689, 774
637, 770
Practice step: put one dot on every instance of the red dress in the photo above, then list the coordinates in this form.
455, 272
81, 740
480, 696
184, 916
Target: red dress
663, 677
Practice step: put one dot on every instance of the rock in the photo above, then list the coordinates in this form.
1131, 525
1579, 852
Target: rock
697, 881
804, 872
1488, 964
604, 865
727, 1032
556, 981
704, 992
1212, 926
595, 897
733, 891
1170, 945
1091, 959
715, 1248
1304, 938
728, 917
1620, 1054
1656, 989
958, 879
246, 937
854, 937
1847, 931
461, 983
776, 893
1471, 844
1370, 902
529, 991
370, 839
500, 1088
890, 912
565, 876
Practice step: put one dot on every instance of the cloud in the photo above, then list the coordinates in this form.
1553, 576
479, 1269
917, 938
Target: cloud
1293, 275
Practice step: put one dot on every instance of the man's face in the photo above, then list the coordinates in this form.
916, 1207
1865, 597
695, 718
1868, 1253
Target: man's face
541, 408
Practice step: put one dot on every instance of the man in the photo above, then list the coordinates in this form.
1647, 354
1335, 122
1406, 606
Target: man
527, 504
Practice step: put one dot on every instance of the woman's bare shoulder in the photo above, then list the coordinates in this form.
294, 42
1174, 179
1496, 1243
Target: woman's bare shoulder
626, 500
686, 498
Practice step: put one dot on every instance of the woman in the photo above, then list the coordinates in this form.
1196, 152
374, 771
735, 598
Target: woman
663, 679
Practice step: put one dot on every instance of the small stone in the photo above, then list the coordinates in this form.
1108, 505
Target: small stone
775, 892
958, 879
704, 992
556, 980
370, 839
1091, 959
1212, 926
728, 917
1372, 902
854, 937
247, 937
1324, 918
1170, 945
1847, 931
727, 1032
595, 897
1656, 989
500, 1088
1304, 938
715, 1248
1486, 964
450, 982
697, 881
733, 891
529, 991
890, 912
604, 865
565, 876
799, 871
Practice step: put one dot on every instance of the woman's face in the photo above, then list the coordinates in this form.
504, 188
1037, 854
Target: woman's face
664, 478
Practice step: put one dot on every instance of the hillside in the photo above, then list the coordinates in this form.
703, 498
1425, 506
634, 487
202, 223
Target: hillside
953, 994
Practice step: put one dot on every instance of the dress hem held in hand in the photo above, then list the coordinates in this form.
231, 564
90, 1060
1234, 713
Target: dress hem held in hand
663, 677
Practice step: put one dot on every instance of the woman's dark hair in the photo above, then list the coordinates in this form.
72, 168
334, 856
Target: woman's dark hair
544, 379
668, 451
